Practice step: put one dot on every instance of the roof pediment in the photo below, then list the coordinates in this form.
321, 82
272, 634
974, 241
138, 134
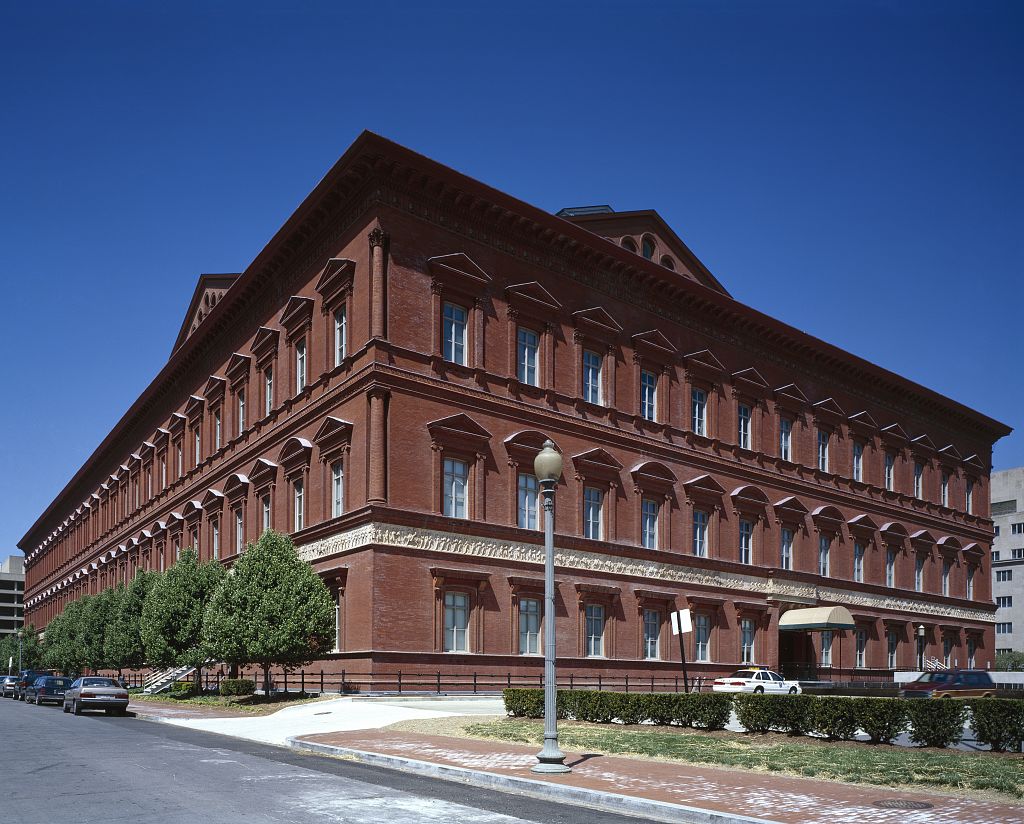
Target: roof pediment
215, 387
951, 452
295, 452
653, 472
704, 483
298, 312
922, 536
862, 521
704, 360
458, 267
791, 392
526, 440
791, 504
596, 319
749, 493
596, 458
653, 340
828, 406
212, 500
751, 377
924, 442
456, 426
331, 429
895, 432
208, 292
238, 367
176, 422
265, 344
532, 294
194, 407
263, 471
975, 461
236, 485
892, 529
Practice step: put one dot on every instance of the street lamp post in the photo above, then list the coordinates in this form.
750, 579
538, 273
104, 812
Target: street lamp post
548, 468
920, 647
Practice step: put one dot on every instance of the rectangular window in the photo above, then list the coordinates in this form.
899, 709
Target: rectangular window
699, 411
823, 450
747, 632
890, 467
1004, 602
528, 497
648, 395
649, 523
862, 648
746, 542
970, 583
528, 344
890, 567
529, 626
241, 412
197, 446
652, 634
918, 479
595, 630
858, 461
995, 552
944, 498
969, 497
892, 643
702, 637
215, 539
1004, 575
163, 472
858, 562
299, 499
180, 456
340, 335
946, 565
971, 647
265, 519
456, 479
826, 648
824, 550
786, 554
1015, 554
593, 503
947, 652
1016, 529
743, 426
300, 365
919, 574
239, 531
456, 622
454, 333
786, 439
1004, 628
700, 533
337, 489
592, 365
216, 429
268, 390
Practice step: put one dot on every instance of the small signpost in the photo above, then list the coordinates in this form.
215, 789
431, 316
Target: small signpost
681, 625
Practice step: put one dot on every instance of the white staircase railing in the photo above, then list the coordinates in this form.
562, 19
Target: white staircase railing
163, 679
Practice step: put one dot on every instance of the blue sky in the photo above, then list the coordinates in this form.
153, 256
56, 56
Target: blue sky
854, 169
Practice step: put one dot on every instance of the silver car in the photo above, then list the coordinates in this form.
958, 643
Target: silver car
7, 688
93, 692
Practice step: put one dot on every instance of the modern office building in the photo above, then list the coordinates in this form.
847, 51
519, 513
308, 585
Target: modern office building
379, 379
1008, 558
12, 594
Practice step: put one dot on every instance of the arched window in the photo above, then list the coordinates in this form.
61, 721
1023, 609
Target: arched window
629, 245
667, 262
647, 247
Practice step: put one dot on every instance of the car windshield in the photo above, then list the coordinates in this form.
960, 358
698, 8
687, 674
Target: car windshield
58, 682
933, 678
98, 682
743, 674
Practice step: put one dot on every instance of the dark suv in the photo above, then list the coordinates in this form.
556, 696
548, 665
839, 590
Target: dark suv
951, 684
25, 679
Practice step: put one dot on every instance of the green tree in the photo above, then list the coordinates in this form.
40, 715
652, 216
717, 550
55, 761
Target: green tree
122, 643
63, 651
271, 609
92, 628
9, 653
172, 613
31, 648
1010, 661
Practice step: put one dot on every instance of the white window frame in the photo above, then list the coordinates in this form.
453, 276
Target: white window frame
217, 432
593, 513
786, 537
300, 365
527, 352
918, 480
702, 637
892, 641
648, 395
652, 635
298, 504
593, 380
890, 567
456, 621
858, 562
824, 555
826, 648
701, 519
890, 470
858, 461
743, 418
823, 437
215, 538
699, 411
946, 567
748, 640
969, 497
594, 626
861, 636
454, 325
786, 439
337, 489
944, 496
529, 626
528, 501
455, 480
650, 510
746, 541
240, 399
919, 573
266, 513
970, 582
340, 335
239, 530
268, 390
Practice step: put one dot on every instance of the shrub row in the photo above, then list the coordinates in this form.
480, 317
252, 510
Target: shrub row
998, 722
237, 686
706, 711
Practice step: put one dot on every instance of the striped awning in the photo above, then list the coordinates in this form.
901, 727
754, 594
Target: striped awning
816, 619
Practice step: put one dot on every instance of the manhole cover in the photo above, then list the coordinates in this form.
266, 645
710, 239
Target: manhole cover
901, 804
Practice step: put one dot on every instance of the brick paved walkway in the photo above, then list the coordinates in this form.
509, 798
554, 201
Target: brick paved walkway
770, 796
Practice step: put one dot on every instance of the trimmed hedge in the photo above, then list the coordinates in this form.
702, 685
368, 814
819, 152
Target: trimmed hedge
237, 686
932, 723
936, 722
998, 722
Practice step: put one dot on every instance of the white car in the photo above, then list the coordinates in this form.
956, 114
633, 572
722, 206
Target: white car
756, 680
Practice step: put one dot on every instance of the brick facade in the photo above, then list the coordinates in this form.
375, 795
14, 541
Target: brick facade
433, 283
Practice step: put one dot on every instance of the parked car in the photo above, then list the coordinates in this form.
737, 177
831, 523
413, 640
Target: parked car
93, 692
7, 686
49, 689
756, 679
25, 679
950, 684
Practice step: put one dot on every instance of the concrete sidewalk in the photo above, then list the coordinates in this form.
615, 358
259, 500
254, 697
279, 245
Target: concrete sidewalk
658, 790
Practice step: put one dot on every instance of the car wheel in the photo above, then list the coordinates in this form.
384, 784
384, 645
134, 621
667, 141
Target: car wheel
66, 708
792, 690
75, 709
758, 690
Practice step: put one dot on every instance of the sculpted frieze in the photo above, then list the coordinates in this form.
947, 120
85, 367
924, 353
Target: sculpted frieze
449, 543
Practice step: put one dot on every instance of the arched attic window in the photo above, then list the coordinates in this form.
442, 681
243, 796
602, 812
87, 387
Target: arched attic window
667, 262
647, 247
629, 244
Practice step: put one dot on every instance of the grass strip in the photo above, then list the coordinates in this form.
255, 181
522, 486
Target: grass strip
246, 703
876, 765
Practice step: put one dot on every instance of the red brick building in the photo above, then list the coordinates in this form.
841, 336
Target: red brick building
378, 381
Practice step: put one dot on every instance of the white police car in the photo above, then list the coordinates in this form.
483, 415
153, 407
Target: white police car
756, 679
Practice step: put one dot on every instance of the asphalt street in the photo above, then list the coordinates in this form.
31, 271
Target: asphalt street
92, 768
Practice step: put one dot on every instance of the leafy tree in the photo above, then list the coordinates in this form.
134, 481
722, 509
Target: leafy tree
271, 609
92, 628
172, 613
8, 652
63, 651
122, 642
1010, 661
31, 648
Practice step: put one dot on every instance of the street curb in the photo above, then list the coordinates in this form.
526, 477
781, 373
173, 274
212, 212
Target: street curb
580, 796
